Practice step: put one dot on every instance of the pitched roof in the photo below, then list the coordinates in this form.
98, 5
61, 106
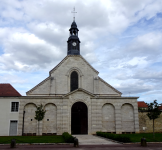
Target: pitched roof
160, 107
28, 92
110, 86
7, 89
142, 104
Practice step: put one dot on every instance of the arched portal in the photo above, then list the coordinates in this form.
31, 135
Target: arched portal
79, 118
74, 81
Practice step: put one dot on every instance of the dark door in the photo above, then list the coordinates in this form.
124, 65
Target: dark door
79, 118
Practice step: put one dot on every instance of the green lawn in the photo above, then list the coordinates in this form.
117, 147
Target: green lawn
33, 139
148, 136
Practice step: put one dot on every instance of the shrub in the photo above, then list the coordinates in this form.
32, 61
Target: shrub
116, 137
68, 138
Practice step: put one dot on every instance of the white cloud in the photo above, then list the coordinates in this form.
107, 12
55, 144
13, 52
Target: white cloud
29, 52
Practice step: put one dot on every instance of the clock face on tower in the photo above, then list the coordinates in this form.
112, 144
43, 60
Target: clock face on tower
74, 43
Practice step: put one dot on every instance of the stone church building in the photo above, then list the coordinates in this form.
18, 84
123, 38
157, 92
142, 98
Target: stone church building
76, 100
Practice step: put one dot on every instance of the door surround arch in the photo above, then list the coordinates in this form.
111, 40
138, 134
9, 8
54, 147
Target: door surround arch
79, 118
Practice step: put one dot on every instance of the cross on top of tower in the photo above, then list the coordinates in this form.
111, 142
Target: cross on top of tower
74, 13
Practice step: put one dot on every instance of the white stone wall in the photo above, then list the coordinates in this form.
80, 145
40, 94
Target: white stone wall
30, 124
59, 80
108, 118
105, 89
56, 114
6, 115
63, 72
43, 89
127, 114
50, 119
97, 113
108, 114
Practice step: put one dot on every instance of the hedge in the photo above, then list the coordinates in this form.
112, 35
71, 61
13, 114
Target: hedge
68, 138
116, 137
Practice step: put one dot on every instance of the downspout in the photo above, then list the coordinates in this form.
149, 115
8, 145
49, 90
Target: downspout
23, 123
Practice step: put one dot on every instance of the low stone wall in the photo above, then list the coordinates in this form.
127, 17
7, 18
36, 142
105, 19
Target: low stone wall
144, 121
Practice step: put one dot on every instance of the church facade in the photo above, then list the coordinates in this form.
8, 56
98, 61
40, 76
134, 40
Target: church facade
76, 100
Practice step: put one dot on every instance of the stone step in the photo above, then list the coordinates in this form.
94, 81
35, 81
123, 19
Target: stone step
92, 140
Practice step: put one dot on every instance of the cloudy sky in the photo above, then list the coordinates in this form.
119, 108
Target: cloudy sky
122, 39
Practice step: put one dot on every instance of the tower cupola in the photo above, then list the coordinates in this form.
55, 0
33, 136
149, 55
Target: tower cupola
73, 43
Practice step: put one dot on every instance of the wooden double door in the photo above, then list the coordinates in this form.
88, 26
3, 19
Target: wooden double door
79, 118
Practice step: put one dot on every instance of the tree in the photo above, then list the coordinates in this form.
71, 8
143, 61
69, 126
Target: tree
153, 112
39, 114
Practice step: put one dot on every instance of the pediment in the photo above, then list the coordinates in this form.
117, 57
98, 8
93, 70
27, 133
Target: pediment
79, 93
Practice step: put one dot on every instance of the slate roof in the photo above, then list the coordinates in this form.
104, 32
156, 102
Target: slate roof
142, 104
7, 90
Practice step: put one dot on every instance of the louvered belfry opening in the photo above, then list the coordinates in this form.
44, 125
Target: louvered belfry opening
74, 81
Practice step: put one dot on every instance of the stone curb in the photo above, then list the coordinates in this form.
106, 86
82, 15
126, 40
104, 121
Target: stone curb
140, 143
126, 143
40, 144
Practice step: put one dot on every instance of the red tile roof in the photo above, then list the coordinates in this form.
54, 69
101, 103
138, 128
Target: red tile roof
142, 104
160, 107
7, 89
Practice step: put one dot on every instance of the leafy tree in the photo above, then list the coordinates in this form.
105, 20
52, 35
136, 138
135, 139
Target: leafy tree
153, 112
39, 114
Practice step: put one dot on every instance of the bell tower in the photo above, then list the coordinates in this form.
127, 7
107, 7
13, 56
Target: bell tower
73, 43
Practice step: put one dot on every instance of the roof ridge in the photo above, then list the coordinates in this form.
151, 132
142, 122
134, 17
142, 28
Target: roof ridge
110, 86
8, 90
15, 89
5, 83
58, 65
88, 63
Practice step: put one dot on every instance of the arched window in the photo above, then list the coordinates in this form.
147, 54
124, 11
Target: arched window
74, 81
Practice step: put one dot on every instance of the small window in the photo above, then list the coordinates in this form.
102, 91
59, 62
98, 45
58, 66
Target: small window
14, 106
47, 119
74, 81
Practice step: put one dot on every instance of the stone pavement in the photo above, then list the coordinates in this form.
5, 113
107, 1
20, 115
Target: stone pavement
92, 140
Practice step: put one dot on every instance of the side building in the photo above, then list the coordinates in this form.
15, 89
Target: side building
9, 110
145, 124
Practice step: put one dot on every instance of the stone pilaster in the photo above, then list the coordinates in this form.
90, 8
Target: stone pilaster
118, 119
65, 116
136, 119
96, 85
20, 122
59, 119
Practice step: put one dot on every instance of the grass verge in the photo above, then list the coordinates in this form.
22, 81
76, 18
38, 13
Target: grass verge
32, 139
148, 136
131, 138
